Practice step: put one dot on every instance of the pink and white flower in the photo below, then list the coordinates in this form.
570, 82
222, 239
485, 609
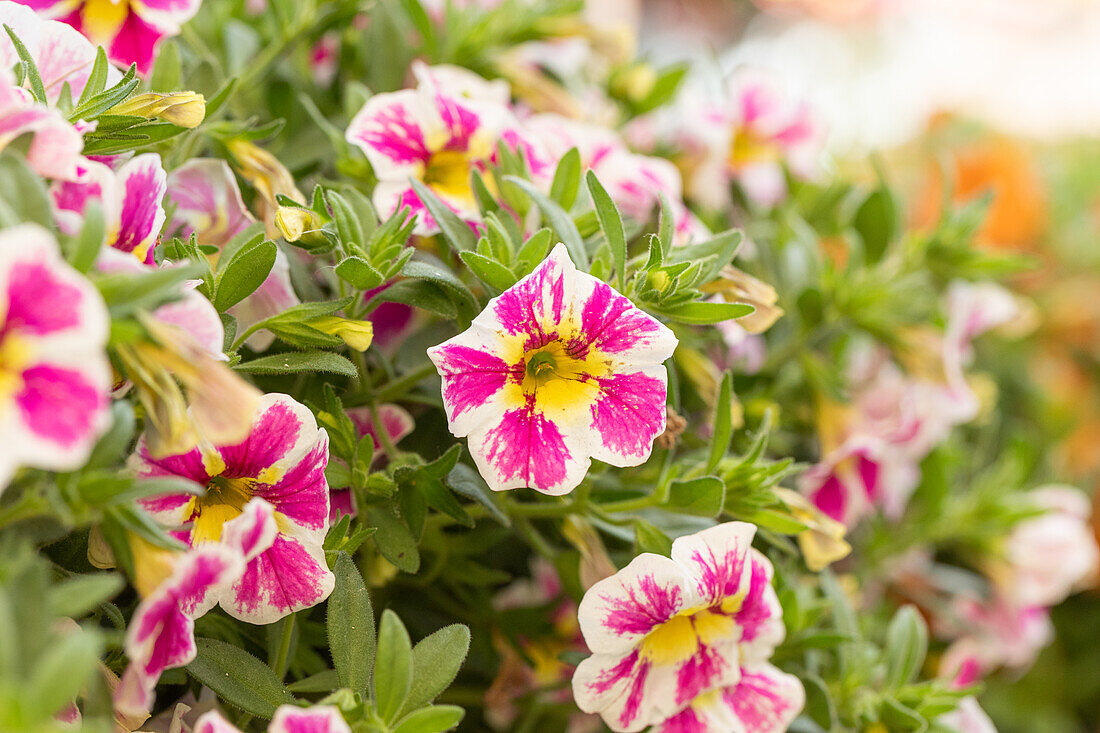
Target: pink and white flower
55, 144
968, 717
633, 181
750, 138
287, 719
436, 136
283, 461
130, 30
62, 55
161, 635
764, 700
207, 202
557, 370
1047, 556
994, 633
130, 196
664, 631
861, 474
55, 378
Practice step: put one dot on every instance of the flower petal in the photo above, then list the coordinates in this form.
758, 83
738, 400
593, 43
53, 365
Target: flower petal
142, 183
717, 559
629, 414
317, 719
289, 576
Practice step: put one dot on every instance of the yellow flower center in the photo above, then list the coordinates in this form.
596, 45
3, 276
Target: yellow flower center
103, 18
15, 356
679, 638
224, 500
747, 147
448, 173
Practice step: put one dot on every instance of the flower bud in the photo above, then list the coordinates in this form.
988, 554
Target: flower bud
356, 334
186, 109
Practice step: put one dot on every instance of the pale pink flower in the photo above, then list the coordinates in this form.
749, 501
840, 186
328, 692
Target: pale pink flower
207, 202
55, 145
62, 55
287, 719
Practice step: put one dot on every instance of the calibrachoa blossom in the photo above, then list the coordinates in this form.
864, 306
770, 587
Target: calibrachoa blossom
162, 633
995, 633
764, 700
557, 370
435, 136
1046, 556
61, 54
130, 196
207, 202
130, 30
55, 145
666, 630
283, 461
55, 379
287, 719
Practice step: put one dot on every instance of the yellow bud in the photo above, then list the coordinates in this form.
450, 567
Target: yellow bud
268, 176
822, 542
292, 222
356, 334
186, 109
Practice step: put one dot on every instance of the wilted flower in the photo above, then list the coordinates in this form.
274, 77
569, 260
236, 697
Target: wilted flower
268, 176
55, 144
161, 634
55, 379
130, 198
822, 542
1047, 556
557, 369
665, 631
432, 135
736, 286
207, 202
186, 109
283, 461
129, 30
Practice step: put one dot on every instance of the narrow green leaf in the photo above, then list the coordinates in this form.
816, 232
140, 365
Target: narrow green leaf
243, 274
723, 423
906, 646
29, 66
559, 220
432, 719
238, 678
567, 179
293, 362
359, 273
457, 232
611, 224
62, 671
703, 496
436, 660
489, 271
647, 538
392, 666
351, 626
79, 594
702, 314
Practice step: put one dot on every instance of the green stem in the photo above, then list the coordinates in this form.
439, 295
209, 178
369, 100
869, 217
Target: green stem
282, 654
397, 387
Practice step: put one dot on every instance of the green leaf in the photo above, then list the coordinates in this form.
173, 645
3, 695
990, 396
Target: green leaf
567, 179
489, 271
432, 719
243, 274
702, 314
238, 678
775, 521
97, 79
647, 538
436, 660
876, 220
703, 496
359, 273
24, 191
115, 444
62, 671
79, 594
293, 362
87, 244
31, 68
351, 626
468, 482
557, 218
723, 423
722, 247
906, 646
898, 717
394, 539
533, 251
392, 666
456, 232
348, 228
326, 681
125, 292
444, 279
611, 224
422, 294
